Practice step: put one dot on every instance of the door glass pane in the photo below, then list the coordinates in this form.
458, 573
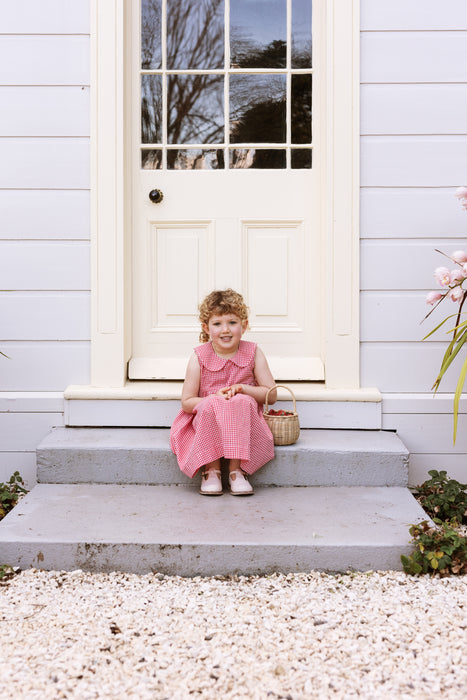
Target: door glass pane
301, 158
151, 159
195, 108
301, 33
151, 38
151, 108
257, 108
301, 108
195, 34
258, 33
242, 158
195, 159
187, 93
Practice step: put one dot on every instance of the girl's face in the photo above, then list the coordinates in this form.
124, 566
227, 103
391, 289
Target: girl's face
225, 333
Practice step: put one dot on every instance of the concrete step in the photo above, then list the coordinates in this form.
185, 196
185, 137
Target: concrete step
174, 530
143, 456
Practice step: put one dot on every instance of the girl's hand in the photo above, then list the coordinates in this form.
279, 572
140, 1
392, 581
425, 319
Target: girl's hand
229, 391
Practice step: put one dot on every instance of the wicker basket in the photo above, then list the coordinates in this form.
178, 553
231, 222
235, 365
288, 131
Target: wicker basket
285, 429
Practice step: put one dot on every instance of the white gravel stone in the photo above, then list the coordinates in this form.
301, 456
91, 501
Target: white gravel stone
366, 635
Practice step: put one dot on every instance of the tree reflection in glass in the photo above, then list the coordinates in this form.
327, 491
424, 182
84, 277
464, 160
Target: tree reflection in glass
195, 108
151, 44
195, 101
301, 108
195, 159
301, 33
151, 108
195, 34
258, 158
257, 108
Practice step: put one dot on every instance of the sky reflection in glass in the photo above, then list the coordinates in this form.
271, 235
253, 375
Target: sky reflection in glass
256, 25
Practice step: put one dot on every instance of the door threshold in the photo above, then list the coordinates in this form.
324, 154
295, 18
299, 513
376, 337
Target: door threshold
172, 391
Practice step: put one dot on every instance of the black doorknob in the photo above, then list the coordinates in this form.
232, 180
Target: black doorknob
156, 196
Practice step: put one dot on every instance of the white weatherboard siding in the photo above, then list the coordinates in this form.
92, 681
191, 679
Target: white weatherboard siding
44, 220
413, 156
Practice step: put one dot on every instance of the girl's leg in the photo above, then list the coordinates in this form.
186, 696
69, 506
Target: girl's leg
213, 466
234, 464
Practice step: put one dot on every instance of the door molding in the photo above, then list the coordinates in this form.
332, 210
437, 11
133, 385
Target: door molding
337, 123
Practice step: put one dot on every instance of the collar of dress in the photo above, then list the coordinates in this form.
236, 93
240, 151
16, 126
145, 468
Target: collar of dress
215, 363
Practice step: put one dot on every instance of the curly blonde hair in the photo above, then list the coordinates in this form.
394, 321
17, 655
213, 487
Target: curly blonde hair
219, 303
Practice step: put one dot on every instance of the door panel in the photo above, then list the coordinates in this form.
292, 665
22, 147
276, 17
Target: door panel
222, 126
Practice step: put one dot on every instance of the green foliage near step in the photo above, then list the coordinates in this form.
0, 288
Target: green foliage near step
9, 496
10, 493
442, 497
439, 548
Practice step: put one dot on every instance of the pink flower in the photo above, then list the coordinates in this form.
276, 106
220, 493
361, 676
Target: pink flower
433, 297
457, 275
461, 194
456, 294
459, 256
442, 276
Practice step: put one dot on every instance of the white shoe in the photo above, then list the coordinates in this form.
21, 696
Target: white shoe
239, 484
211, 484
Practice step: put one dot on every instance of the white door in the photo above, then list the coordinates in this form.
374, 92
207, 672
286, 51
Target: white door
224, 194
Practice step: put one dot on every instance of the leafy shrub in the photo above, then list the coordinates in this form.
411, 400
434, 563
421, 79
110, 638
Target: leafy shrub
7, 573
10, 493
442, 497
439, 549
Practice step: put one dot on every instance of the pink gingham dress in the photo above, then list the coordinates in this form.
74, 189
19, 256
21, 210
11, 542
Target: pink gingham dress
233, 428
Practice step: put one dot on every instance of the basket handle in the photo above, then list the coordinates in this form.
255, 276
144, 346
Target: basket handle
280, 386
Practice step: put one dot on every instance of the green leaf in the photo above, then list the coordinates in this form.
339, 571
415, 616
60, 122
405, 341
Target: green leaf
457, 395
449, 356
439, 326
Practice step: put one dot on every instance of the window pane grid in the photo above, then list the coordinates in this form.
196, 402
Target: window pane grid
251, 107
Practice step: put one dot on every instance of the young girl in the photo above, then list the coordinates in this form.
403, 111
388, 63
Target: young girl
225, 386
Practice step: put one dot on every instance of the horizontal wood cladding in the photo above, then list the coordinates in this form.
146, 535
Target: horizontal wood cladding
397, 317
415, 212
31, 402
44, 111
408, 264
44, 265
44, 214
431, 434
414, 57
413, 109
22, 461
405, 367
402, 15
44, 163
45, 316
44, 60
44, 366
19, 431
45, 17
413, 161
420, 465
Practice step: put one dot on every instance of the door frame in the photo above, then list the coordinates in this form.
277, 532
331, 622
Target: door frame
338, 122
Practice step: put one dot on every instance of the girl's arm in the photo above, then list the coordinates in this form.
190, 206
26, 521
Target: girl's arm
190, 389
264, 379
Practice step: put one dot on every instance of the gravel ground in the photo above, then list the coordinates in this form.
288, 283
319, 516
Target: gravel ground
367, 635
